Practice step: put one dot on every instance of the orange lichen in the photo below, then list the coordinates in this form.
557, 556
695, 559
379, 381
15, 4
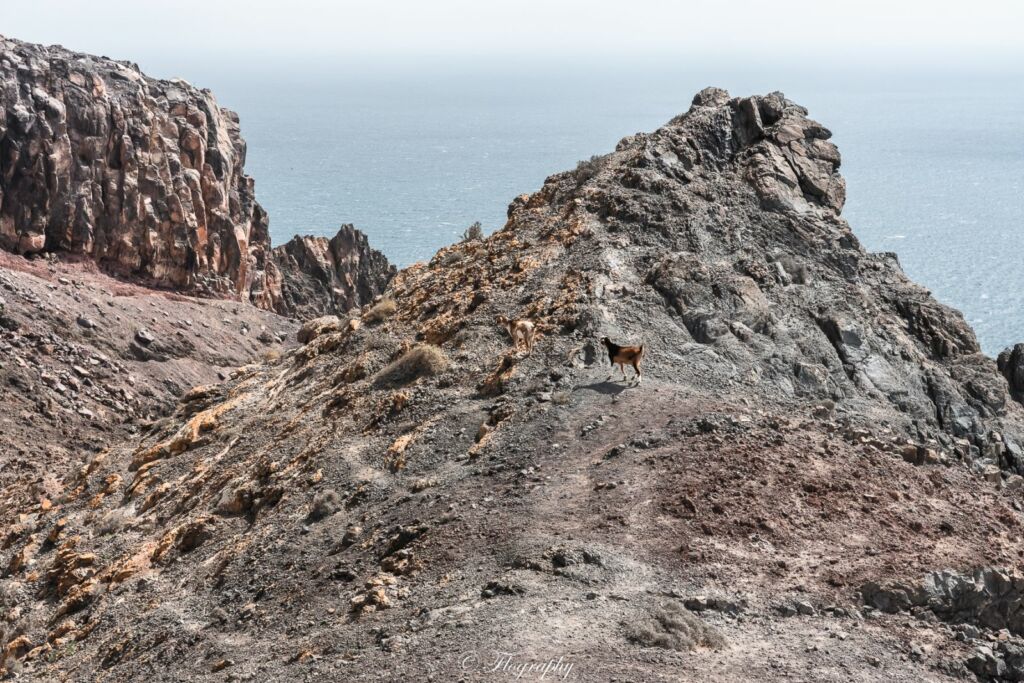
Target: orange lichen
187, 435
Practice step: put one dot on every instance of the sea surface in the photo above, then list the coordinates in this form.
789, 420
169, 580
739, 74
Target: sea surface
934, 162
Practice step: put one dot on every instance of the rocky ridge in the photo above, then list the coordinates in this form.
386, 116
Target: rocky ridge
405, 495
146, 177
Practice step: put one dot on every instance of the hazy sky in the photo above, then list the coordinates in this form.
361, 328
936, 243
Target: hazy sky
879, 32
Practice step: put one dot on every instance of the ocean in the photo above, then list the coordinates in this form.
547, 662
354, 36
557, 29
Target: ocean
934, 162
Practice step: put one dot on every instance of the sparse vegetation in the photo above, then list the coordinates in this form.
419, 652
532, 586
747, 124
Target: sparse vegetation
381, 311
419, 361
561, 398
473, 233
58, 653
325, 504
423, 484
673, 627
9, 594
115, 521
588, 168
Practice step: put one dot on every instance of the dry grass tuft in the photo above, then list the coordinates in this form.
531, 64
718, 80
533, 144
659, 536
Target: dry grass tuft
561, 398
114, 521
673, 627
381, 311
421, 360
325, 503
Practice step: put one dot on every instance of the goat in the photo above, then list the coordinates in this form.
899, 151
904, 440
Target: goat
624, 354
520, 331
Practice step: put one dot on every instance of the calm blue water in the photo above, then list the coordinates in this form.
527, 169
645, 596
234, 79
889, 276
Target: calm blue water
934, 162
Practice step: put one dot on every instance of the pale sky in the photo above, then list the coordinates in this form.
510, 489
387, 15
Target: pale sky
880, 32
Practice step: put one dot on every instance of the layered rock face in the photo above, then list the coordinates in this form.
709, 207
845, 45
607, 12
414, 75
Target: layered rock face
147, 178
405, 494
316, 275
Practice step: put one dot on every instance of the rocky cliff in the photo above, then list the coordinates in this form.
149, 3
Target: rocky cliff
405, 496
144, 176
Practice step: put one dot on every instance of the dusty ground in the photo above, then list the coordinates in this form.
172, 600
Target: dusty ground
77, 374
596, 512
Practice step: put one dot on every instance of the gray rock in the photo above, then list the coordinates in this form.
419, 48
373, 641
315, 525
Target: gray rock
1011, 364
804, 608
990, 598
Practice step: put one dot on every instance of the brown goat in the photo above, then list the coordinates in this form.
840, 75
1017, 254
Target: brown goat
624, 354
520, 331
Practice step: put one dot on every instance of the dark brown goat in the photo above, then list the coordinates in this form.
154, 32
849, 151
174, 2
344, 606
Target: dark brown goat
624, 354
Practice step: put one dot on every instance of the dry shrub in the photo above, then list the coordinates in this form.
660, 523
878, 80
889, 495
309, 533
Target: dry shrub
114, 521
420, 361
352, 372
673, 627
325, 503
423, 484
380, 311
473, 233
561, 398
587, 169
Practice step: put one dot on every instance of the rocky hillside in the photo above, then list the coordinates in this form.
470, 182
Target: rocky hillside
144, 176
87, 361
816, 463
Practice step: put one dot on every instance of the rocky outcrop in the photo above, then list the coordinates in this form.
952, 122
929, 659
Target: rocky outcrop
1011, 365
313, 275
146, 177
988, 602
989, 598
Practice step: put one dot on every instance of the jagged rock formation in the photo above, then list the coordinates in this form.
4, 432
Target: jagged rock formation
318, 275
407, 488
990, 599
147, 178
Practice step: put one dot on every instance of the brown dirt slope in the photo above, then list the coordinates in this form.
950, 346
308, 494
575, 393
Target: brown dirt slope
87, 361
